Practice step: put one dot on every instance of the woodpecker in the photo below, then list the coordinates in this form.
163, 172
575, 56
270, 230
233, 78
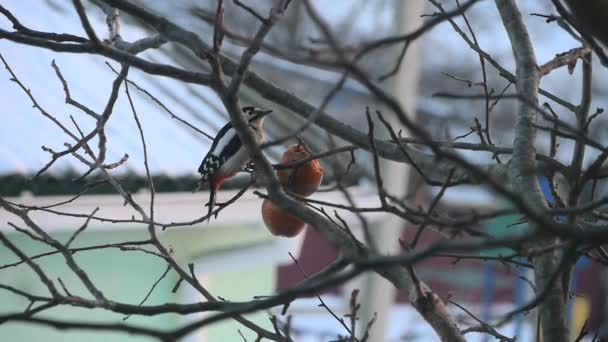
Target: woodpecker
227, 155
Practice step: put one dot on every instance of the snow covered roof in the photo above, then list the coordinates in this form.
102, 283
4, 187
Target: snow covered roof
174, 147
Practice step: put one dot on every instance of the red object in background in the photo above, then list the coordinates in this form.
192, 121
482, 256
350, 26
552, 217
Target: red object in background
462, 280
316, 254
589, 285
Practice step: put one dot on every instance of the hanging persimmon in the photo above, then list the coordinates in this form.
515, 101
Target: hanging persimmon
302, 179
279, 222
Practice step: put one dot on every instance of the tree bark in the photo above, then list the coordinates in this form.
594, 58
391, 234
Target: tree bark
522, 171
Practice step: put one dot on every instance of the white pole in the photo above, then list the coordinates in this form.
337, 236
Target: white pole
378, 295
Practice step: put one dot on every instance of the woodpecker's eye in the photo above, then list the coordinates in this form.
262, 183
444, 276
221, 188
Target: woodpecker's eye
249, 110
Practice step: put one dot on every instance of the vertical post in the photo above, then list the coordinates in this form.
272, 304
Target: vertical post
489, 287
377, 294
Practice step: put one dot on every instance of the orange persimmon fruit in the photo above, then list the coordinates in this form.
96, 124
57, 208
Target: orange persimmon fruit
304, 179
279, 222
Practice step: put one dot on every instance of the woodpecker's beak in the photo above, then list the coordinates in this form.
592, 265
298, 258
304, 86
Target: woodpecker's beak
265, 112
260, 114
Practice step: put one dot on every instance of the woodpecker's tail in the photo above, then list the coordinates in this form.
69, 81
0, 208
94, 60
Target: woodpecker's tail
199, 185
212, 190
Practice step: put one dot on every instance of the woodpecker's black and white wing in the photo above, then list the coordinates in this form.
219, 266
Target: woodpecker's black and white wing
209, 165
226, 144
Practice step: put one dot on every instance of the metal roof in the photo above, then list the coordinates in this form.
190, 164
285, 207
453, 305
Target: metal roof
174, 148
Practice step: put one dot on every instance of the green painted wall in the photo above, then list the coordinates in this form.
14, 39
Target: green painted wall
253, 281
123, 276
126, 276
503, 226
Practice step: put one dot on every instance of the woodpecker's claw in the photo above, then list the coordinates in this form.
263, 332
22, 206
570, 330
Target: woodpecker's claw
218, 204
250, 167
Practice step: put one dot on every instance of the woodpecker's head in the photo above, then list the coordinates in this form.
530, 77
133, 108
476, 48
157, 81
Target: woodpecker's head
255, 115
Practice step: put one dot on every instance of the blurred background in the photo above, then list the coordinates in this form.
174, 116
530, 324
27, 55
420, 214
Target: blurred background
235, 257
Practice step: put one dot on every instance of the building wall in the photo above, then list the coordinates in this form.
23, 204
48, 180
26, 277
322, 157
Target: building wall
123, 276
241, 285
127, 276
